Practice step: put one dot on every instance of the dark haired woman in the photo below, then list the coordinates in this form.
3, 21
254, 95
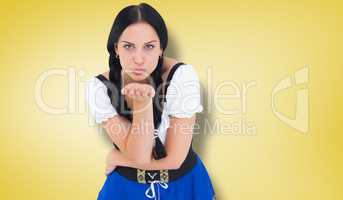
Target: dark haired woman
147, 103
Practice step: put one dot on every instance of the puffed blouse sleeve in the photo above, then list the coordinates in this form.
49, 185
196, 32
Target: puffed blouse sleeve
97, 100
183, 94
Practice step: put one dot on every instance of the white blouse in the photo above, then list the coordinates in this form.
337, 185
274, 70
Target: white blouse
183, 98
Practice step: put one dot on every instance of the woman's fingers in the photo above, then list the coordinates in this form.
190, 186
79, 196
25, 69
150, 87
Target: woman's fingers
151, 92
138, 91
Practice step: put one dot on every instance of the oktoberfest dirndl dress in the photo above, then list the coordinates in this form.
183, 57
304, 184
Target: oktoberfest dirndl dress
195, 182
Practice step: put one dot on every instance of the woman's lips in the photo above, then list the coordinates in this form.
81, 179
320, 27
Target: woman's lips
138, 71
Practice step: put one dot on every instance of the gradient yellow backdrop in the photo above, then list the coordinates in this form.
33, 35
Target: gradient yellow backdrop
61, 156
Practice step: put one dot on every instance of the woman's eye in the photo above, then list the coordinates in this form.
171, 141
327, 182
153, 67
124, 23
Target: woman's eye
149, 46
128, 46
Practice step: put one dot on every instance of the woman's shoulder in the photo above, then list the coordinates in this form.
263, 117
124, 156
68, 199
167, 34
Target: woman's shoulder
183, 94
99, 103
184, 70
168, 63
106, 74
184, 74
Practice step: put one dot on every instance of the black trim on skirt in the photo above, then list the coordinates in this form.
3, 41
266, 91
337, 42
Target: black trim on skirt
167, 175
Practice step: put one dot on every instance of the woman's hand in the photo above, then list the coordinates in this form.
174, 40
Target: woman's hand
111, 163
138, 91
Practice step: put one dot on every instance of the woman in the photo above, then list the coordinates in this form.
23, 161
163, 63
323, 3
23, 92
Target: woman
147, 103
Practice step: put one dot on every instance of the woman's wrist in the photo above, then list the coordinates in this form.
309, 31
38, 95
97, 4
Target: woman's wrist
141, 105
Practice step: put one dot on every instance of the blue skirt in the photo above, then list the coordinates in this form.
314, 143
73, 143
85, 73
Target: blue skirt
195, 185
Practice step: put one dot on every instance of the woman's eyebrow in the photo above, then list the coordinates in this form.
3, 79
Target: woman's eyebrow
151, 41
127, 42
133, 43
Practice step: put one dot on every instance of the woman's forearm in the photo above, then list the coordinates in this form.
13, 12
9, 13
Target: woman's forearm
139, 141
118, 129
164, 163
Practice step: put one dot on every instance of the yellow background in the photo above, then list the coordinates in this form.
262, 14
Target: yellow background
48, 156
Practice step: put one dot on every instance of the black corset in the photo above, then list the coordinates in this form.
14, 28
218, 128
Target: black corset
119, 102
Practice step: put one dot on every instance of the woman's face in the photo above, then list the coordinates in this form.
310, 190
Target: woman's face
138, 48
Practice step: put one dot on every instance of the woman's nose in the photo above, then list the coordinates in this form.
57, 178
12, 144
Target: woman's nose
138, 57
